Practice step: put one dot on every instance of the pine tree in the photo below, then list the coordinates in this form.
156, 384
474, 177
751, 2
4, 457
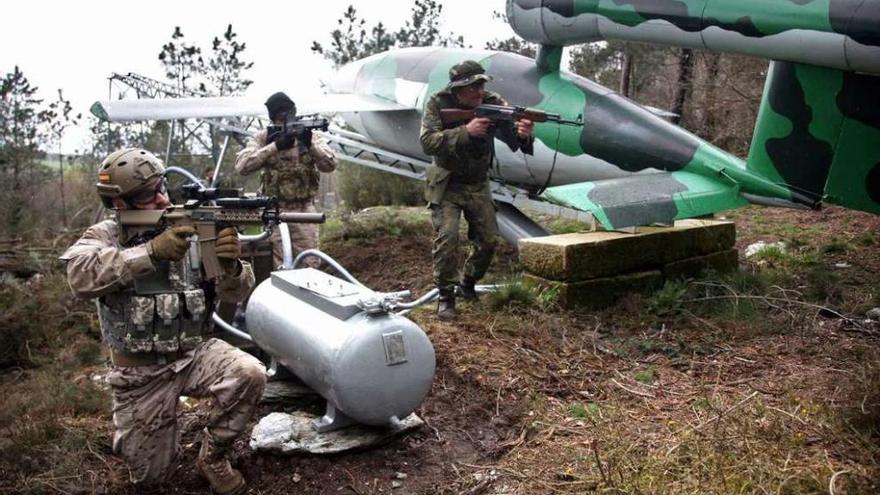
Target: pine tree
60, 118
21, 120
183, 63
352, 40
225, 68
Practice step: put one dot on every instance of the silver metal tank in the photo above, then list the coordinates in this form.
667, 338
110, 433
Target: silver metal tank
373, 367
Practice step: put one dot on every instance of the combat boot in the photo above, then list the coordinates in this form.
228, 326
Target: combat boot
467, 290
215, 467
446, 305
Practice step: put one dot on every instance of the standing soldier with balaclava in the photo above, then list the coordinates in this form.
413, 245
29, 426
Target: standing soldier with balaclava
154, 308
288, 174
457, 181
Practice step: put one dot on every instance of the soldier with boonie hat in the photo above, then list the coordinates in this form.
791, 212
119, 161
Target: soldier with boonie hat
457, 182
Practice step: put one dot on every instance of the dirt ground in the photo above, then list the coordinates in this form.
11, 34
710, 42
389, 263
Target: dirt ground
768, 382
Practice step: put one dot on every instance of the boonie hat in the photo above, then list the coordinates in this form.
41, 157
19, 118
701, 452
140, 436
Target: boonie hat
467, 73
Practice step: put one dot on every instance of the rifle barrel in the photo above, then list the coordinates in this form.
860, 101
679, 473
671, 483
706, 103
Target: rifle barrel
300, 217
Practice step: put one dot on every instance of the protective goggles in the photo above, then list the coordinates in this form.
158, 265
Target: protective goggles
147, 196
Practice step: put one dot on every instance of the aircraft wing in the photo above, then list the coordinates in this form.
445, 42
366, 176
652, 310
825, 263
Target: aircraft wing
644, 199
219, 107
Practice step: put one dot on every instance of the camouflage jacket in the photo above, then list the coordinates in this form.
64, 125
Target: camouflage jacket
134, 320
286, 175
458, 157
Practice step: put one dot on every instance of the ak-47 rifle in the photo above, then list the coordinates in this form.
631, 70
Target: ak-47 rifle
295, 127
229, 208
500, 112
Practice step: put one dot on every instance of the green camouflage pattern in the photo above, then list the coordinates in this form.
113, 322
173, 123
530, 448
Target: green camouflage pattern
840, 34
474, 202
457, 156
816, 137
818, 131
620, 144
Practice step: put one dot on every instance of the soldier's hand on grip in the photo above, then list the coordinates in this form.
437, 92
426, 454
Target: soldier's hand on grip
524, 128
479, 127
228, 249
305, 138
285, 141
172, 244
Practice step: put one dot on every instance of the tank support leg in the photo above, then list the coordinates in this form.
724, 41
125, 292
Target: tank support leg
333, 419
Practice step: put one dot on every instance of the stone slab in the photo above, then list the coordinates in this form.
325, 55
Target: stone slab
600, 292
282, 433
723, 262
588, 255
282, 391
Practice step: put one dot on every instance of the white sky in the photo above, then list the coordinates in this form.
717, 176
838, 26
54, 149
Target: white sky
76, 45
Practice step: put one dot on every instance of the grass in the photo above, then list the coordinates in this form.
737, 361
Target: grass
836, 246
376, 222
518, 294
724, 384
645, 376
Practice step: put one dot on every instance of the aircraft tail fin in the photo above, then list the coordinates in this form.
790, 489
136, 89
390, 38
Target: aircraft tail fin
818, 133
643, 199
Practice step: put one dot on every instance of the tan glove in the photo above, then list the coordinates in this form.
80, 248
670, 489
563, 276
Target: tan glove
228, 250
171, 244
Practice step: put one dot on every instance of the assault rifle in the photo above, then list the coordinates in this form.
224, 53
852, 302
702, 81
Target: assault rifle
224, 208
295, 127
500, 112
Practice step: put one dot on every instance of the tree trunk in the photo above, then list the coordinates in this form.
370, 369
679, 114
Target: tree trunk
626, 74
711, 114
683, 86
61, 174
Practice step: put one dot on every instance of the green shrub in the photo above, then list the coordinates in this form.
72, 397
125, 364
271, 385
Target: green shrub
866, 239
773, 255
646, 376
34, 319
836, 246
823, 285
668, 300
381, 221
513, 294
361, 187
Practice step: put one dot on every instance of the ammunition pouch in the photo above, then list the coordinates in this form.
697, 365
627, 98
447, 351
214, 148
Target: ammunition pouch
154, 323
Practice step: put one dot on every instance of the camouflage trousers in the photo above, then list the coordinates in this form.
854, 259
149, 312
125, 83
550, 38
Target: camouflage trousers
145, 402
475, 202
302, 235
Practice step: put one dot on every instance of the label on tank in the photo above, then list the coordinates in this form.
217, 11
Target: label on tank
395, 349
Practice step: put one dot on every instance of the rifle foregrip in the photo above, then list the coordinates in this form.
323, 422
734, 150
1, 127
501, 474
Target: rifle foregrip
452, 115
298, 217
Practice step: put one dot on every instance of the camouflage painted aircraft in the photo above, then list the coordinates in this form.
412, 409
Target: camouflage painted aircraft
817, 137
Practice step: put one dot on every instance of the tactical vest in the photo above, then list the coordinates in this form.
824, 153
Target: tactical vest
166, 311
290, 177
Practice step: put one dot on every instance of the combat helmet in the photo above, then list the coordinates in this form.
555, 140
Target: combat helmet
127, 171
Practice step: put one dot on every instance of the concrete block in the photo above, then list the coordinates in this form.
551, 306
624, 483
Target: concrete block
588, 255
722, 262
600, 292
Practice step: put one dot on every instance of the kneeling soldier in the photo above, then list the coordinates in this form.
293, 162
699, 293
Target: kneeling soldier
154, 309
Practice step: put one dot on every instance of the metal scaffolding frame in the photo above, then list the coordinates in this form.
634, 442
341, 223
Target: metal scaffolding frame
122, 86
